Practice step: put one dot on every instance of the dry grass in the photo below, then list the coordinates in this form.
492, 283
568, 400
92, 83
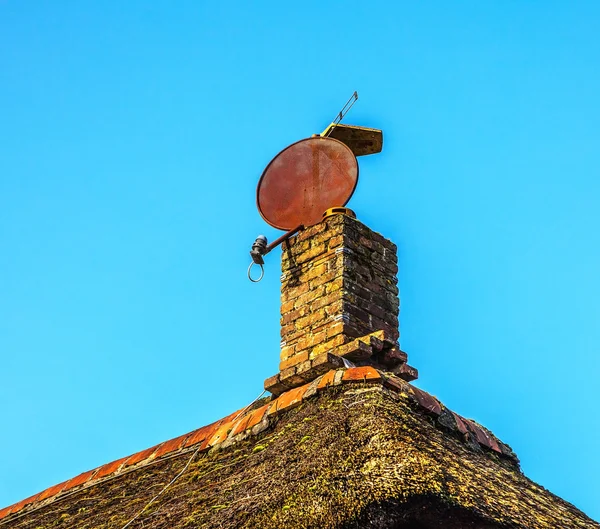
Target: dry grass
356, 456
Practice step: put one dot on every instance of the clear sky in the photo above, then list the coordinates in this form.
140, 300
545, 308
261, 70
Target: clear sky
133, 134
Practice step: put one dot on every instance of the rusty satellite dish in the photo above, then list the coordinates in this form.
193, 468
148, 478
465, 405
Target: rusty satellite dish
304, 180
310, 177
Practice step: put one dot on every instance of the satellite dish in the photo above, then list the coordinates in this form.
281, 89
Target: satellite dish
309, 178
304, 180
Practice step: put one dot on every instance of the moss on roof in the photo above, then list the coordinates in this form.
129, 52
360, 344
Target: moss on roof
352, 456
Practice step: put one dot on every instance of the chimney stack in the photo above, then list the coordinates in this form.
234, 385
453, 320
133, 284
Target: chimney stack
339, 302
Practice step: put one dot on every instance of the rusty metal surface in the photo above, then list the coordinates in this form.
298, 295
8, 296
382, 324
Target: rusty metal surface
361, 140
304, 180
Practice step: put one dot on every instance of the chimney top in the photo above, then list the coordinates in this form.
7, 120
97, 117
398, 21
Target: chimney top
339, 303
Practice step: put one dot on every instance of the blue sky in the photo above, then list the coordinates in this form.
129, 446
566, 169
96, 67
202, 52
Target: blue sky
133, 134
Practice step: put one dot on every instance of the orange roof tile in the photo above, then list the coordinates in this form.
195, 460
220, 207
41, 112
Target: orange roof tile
141, 456
361, 373
198, 436
171, 446
109, 468
52, 491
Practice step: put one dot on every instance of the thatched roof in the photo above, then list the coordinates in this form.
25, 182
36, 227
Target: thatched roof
355, 448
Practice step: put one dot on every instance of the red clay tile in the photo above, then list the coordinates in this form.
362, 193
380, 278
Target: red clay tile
205, 444
210, 434
199, 435
234, 415
482, 437
140, 456
221, 434
427, 402
494, 445
171, 446
5, 512
291, 398
256, 416
109, 468
479, 434
52, 491
327, 379
240, 425
396, 384
360, 374
273, 407
18, 506
78, 480
460, 424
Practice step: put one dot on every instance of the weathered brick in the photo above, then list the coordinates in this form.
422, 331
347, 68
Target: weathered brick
309, 295
323, 278
312, 320
293, 360
329, 345
294, 315
338, 284
311, 340
293, 292
375, 310
336, 241
315, 251
287, 306
335, 308
356, 313
335, 328
406, 372
376, 343
310, 232
326, 301
325, 362
289, 378
315, 271
356, 351
287, 351
274, 385
288, 329
334, 285
304, 370
392, 357
293, 335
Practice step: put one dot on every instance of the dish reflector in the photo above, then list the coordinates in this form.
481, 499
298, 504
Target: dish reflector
304, 180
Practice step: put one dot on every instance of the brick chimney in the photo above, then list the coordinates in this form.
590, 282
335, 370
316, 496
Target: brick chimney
339, 302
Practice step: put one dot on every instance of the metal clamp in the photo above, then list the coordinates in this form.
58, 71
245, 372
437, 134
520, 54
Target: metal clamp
260, 249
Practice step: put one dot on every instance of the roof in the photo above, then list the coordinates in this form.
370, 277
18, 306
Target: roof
356, 447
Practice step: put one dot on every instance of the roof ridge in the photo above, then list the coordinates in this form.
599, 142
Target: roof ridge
252, 420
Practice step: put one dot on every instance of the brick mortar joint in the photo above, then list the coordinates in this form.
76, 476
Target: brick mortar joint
325, 257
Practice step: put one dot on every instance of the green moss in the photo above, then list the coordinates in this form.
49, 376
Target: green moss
374, 464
